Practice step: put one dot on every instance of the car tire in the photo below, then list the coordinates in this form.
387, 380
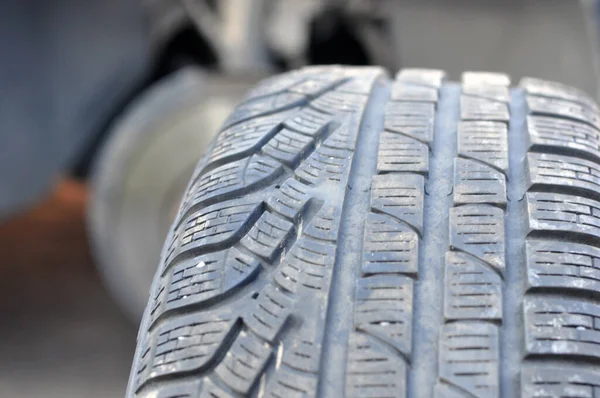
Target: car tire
352, 234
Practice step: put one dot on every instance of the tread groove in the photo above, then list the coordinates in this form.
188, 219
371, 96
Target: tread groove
565, 190
428, 308
348, 253
562, 236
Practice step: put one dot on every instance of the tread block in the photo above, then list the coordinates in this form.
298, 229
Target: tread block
477, 108
389, 247
400, 196
329, 161
472, 290
486, 85
232, 178
399, 153
552, 264
267, 315
362, 72
184, 344
444, 390
180, 390
479, 230
307, 267
566, 171
342, 138
219, 224
421, 77
372, 371
471, 78
336, 102
264, 106
469, 357
290, 199
324, 226
212, 390
484, 141
563, 109
563, 213
408, 92
244, 139
362, 85
289, 384
308, 122
561, 326
555, 381
267, 236
201, 279
414, 119
244, 362
302, 354
478, 183
316, 85
487, 92
275, 84
289, 147
564, 135
545, 88
383, 308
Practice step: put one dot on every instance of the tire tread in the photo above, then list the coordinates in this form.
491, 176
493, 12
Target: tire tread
309, 252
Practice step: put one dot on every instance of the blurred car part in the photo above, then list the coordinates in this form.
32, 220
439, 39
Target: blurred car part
75, 66
236, 30
142, 171
67, 67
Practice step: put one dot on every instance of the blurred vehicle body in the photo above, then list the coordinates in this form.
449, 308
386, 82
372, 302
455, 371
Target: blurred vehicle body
93, 83
69, 67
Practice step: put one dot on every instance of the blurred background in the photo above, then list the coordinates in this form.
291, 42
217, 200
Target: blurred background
106, 106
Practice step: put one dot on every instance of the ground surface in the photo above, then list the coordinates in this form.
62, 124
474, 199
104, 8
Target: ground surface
60, 334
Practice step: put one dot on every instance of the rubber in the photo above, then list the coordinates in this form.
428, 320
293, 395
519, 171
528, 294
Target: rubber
355, 235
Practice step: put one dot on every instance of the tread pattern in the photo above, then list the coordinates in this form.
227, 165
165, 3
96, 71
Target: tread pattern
484, 140
293, 260
561, 326
477, 183
560, 381
372, 371
265, 254
469, 353
559, 213
551, 170
565, 265
469, 358
561, 306
383, 309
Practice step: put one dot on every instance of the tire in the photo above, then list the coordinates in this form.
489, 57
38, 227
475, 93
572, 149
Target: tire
141, 174
353, 235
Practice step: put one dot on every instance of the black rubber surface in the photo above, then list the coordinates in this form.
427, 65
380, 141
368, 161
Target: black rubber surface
354, 235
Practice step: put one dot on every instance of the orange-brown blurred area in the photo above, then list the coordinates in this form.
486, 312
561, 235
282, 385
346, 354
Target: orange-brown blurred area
61, 336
